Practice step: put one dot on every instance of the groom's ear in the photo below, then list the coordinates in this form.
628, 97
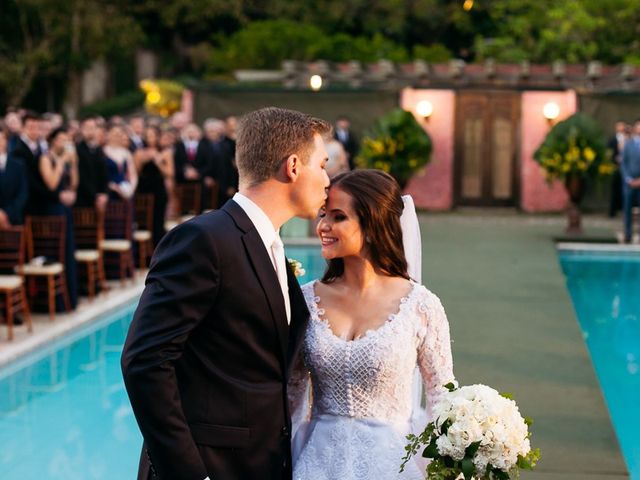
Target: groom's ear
292, 167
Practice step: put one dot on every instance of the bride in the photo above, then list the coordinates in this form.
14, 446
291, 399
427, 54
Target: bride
352, 391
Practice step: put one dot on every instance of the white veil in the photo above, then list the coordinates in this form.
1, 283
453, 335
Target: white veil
412, 243
411, 239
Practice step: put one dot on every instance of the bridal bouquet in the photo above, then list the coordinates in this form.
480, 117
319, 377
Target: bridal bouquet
476, 433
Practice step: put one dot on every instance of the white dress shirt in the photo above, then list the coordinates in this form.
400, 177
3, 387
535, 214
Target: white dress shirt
268, 235
3, 161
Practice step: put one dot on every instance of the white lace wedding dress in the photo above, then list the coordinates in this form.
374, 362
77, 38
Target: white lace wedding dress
353, 423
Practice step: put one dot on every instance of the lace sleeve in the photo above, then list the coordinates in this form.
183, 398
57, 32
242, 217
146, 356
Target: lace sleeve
434, 348
299, 393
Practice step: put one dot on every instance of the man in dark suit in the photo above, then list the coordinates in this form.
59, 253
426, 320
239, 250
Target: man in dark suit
28, 151
93, 179
616, 145
348, 140
210, 347
630, 171
13, 187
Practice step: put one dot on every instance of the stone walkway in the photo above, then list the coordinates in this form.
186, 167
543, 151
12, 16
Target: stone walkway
514, 328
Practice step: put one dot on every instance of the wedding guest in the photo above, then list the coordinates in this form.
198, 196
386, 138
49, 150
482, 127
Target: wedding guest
13, 187
154, 164
190, 155
13, 124
338, 161
179, 121
27, 151
136, 132
214, 170
616, 145
229, 159
345, 136
92, 170
121, 171
52, 191
630, 170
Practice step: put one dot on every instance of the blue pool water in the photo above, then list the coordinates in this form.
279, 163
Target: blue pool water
605, 289
64, 412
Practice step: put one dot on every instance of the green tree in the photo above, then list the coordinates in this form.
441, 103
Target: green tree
61, 39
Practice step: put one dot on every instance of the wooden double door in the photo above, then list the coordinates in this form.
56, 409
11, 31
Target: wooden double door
487, 148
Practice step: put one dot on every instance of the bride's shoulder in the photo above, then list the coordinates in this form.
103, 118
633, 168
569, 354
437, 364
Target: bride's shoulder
425, 298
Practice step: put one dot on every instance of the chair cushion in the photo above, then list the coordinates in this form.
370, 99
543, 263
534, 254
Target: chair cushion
170, 224
53, 269
87, 255
10, 282
115, 245
142, 235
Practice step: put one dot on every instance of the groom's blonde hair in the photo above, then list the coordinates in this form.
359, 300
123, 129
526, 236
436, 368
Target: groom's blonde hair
268, 136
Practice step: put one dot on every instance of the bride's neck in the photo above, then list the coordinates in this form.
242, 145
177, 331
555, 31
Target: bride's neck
359, 274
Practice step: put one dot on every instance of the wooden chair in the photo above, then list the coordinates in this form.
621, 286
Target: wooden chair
212, 196
46, 237
11, 285
189, 200
143, 234
88, 229
117, 244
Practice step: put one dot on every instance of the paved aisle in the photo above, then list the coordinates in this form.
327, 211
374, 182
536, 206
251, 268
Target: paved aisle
514, 329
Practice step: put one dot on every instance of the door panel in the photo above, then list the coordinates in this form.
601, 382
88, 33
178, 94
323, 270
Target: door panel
486, 148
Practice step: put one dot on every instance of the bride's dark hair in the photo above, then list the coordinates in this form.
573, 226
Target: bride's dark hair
377, 200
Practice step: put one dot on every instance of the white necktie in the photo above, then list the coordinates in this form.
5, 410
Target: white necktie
277, 249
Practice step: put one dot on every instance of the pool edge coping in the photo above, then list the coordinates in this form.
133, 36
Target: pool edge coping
90, 313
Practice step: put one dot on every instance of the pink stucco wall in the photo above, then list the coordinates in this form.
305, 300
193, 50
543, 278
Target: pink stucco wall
536, 194
433, 187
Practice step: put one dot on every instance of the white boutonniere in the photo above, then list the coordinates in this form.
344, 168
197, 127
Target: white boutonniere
296, 266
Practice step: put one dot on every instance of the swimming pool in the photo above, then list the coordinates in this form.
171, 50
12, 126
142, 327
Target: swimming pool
605, 289
64, 412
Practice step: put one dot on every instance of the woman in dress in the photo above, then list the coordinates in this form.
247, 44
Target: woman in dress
52, 191
154, 165
121, 170
371, 325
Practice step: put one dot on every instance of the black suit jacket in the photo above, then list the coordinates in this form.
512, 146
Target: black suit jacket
14, 190
40, 197
351, 146
92, 174
208, 354
202, 161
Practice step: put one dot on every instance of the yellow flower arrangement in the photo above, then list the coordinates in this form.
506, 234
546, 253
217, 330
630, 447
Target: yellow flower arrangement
575, 146
396, 144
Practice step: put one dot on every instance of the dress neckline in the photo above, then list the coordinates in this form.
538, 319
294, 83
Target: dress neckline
317, 312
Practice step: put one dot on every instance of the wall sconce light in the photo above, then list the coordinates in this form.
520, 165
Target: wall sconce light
424, 108
315, 82
551, 110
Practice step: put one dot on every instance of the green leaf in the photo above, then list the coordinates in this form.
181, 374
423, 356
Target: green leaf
468, 468
499, 474
432, 449
528, 421
450, 386
508, 396
472, 449
445, 426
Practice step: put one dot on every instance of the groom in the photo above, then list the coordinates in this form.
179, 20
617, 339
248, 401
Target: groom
208, 352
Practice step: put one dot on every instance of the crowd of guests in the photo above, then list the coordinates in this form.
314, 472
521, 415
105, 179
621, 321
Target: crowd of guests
48, 167
625, 183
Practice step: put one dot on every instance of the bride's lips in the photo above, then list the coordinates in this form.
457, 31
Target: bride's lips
328, 241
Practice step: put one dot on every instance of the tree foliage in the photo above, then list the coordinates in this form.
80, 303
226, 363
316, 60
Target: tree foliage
47, 38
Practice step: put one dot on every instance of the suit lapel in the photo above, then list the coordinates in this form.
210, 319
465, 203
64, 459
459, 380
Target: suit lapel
265, 273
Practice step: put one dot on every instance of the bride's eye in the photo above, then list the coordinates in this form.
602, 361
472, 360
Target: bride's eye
322, 213
339, 217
